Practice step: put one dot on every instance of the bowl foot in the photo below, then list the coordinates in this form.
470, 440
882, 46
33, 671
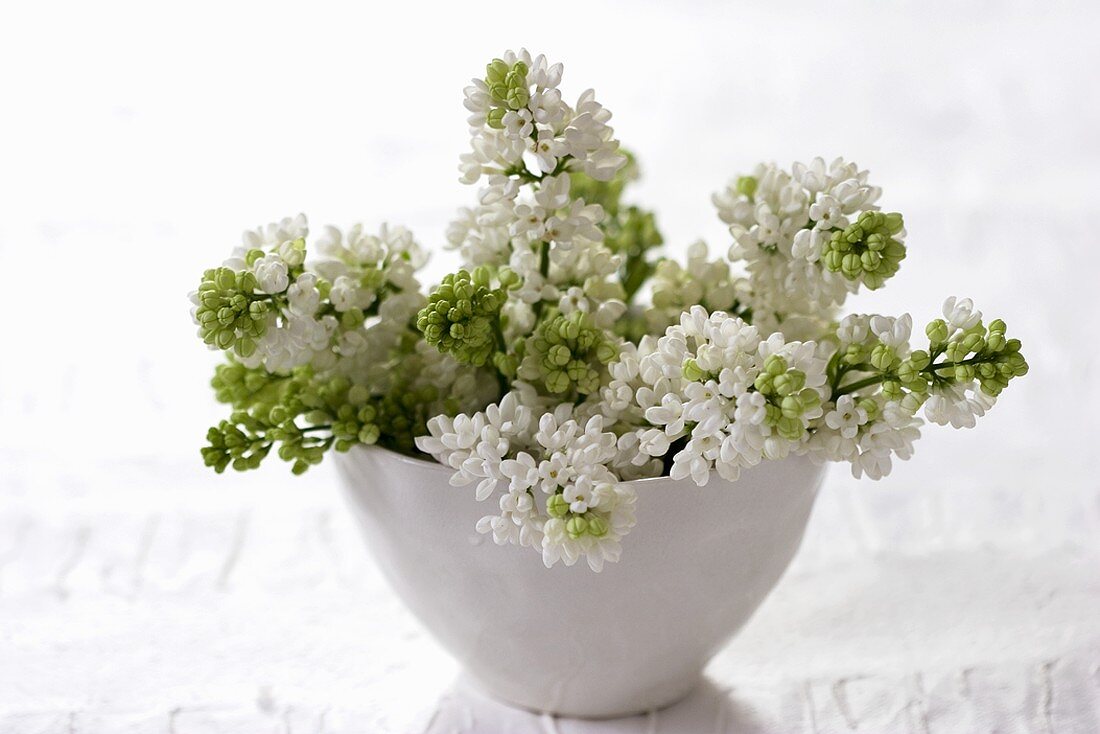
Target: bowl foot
466, 686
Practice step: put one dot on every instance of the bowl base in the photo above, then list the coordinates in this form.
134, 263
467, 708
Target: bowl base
654, 700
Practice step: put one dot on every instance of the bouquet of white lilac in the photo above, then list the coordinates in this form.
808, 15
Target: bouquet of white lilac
534, 372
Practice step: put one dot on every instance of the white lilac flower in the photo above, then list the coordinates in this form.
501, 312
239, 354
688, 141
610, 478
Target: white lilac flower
957, 404
849, 434
736, 398
880, 443
518, 124
549, 471
704, 282
782, 223
893, 332
285, 238
534, 120
960, 314
853, 329
846, 417
271, 274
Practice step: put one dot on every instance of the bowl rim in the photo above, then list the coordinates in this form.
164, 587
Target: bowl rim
435, 466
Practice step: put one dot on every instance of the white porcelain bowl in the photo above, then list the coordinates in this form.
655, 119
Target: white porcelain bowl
566, 640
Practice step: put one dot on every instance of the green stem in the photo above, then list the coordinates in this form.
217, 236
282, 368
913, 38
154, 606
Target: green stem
502, 346
544, 270
544, 259
858, 385
844, 369
931, 369
973, 360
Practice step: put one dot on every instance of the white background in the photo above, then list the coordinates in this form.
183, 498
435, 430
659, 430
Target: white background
140, 593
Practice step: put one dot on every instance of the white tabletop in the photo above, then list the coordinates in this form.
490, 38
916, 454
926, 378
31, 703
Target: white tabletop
140, 593
256, 608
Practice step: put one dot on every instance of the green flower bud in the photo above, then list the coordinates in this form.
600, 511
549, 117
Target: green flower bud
870, 406
559, 355
691, 370
463, 317
508, 278
854, 354
937, 332
809, 399
775, 365
495, 118
891, 389
231, 315
506, 364
883, 357
964, 372
557, 381
746, 186
796, 380
495, 72
867, 249
556, 506
567, 353
597, 526
790, 428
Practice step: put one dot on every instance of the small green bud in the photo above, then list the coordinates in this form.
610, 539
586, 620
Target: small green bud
495, 71
883, 357
869, 406
369, 434
964, 372
558, 356
691, 370
495, 118
463, 317
790, 428
567, 353
557, 381
791, 407
746, 186
597, 526
867, 249
556, 506
891, 389
775, 365
506, 364
937, 332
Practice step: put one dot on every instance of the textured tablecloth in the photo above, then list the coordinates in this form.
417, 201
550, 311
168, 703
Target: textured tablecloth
140, 593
